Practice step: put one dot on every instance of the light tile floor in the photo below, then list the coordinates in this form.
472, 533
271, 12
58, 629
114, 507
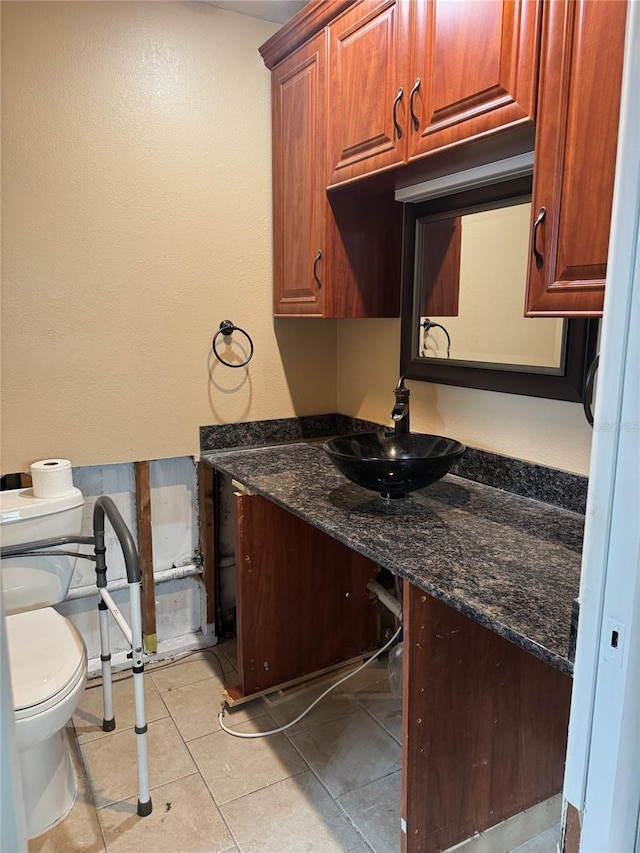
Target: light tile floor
331, 784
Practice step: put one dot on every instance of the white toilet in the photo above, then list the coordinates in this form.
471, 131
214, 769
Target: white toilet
47, 656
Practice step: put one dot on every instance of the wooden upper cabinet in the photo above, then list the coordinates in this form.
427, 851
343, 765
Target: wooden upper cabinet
411, 77
299, 180
335, 257
365, 91
576, 139
473, 70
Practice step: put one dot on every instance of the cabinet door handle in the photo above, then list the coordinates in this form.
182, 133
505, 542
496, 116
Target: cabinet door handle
397, 130
414, 92
534, 242
315, 270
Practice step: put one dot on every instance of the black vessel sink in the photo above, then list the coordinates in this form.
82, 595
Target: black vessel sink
393, 464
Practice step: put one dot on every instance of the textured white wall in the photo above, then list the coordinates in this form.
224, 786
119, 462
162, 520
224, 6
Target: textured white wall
136, 209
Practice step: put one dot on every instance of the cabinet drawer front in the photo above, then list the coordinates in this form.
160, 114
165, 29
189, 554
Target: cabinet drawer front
576, 141
364, 83
298, 179
477, 64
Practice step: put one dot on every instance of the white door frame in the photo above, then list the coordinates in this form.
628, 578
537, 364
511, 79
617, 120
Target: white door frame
603, 759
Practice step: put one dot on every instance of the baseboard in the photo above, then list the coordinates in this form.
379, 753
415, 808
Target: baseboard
510, 833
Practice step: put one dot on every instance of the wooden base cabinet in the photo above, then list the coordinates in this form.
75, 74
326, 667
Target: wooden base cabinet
575, 156
484, 722
484, 727
302, 604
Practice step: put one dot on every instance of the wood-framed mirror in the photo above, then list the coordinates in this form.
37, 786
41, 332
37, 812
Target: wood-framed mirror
463, 294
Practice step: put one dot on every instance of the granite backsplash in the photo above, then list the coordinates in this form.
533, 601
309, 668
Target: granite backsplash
539, 482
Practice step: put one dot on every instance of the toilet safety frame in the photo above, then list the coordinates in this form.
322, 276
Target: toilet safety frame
104, 506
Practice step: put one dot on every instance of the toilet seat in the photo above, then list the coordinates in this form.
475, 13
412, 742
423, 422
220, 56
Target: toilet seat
47, 659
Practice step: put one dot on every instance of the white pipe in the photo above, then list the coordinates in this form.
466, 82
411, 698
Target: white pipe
384, 597
113, 609
163, 576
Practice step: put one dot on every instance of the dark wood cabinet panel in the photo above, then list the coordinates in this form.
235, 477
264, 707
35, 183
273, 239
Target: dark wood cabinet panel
364, 83
388, 83
335, 257
302, 604
576, 140
485, 726
298, 93
408, 79
474, 69
438, 266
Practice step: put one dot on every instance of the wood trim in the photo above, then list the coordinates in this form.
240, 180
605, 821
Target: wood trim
234, 697
572, 830
484, 726
308, 21
145, 554
206, 540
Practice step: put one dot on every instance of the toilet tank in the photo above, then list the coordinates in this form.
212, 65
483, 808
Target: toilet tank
32, 582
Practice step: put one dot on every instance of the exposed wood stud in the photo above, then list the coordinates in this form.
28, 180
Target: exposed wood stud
206, 539
145, 553
572, 830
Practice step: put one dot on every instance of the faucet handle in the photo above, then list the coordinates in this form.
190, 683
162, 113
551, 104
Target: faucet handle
400, 385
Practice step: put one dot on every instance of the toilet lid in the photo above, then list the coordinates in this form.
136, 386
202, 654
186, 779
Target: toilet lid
46, 653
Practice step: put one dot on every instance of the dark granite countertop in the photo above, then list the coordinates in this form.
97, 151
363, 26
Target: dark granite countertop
508, 562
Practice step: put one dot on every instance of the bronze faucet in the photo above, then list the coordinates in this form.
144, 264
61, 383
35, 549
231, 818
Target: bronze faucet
400, 412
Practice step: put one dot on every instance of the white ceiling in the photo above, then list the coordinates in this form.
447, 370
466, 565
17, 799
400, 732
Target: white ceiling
278, 11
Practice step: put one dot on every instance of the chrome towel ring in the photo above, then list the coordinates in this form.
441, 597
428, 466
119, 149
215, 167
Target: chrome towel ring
227, 328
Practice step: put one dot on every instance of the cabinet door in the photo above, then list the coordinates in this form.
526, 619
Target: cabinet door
576, 138
365, 92
298, 88
474, 69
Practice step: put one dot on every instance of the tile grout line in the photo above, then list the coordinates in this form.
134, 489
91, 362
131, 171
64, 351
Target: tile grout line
333, 799
197, 772
86, 778
382, 726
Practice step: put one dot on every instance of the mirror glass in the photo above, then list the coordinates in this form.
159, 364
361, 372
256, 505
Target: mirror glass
472, 275
465, 266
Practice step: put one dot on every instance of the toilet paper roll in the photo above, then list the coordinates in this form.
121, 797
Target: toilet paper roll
51, 478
